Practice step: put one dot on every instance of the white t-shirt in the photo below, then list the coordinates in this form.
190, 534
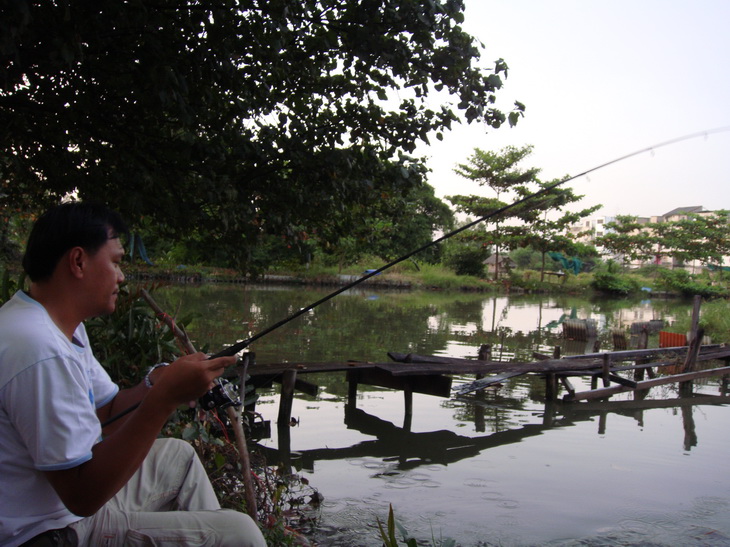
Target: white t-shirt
50, 389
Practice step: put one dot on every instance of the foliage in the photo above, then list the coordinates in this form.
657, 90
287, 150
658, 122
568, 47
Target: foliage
714, 319
10, 286
131, 339
613, 283
394, 225
546, 231
705, 238
526, 258
466, 252
390, 540
501, 173
14, 229
682, 282
530, 223
625, 236
287, 505
232, 120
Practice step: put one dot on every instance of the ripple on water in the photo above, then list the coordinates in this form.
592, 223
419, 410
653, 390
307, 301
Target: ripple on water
478, 482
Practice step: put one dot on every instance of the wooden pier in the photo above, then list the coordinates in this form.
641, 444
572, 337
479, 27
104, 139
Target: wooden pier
431, 375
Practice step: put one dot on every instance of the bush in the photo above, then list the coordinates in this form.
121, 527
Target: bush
466, 257
613, 283
8, 286
682, 282
131, 339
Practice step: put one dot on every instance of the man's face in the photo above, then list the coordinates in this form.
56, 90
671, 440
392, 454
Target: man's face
104, 276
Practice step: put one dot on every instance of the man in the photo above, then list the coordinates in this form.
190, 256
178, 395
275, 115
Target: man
61, 482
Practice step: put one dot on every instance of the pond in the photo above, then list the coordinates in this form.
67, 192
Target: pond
499, 467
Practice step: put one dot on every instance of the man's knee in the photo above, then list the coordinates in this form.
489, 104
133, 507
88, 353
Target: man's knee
238, 529
169, 446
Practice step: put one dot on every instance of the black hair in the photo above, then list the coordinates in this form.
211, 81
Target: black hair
69, 225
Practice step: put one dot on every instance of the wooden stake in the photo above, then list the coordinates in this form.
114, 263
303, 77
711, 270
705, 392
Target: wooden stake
606, 369
696, 303
233, 416
694, 349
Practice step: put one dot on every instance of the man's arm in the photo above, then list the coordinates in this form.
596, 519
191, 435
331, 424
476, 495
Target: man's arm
124, 400
85, 488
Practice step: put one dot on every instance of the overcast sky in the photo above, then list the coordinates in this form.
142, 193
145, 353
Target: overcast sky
602, 79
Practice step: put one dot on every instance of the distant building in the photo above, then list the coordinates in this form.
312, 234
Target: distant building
588, 229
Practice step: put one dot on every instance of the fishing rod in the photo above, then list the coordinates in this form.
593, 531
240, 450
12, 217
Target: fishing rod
240, 346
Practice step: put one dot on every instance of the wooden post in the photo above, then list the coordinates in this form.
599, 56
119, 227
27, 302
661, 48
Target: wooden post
551, 386
288, 379
408, 399
485, 354
696, 303
556, 352
606, 369
642, 343
694, 349
352, 381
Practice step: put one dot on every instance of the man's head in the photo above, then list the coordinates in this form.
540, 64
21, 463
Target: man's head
73, 224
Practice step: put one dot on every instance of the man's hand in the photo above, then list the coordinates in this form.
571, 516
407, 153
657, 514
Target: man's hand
85, 488
188, 378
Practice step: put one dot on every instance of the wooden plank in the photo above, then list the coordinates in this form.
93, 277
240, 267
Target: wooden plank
646, 384
436, 385
615, 378
303, 386
644, 404
420, 364
567, 385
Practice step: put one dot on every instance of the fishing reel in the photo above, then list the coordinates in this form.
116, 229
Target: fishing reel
223, 395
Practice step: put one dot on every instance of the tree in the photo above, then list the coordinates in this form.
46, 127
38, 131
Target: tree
467, 251
500, 172
704, 238
547, 233
232, 119
627, 237
389, 228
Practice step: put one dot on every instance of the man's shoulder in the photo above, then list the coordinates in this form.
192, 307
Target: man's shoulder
26, 338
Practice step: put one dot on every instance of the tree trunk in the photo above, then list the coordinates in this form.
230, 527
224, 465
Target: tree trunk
542, 271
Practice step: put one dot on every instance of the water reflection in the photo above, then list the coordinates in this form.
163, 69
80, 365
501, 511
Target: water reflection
408, 449
499, 467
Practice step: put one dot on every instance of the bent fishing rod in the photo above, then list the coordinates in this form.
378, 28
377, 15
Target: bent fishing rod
240, 346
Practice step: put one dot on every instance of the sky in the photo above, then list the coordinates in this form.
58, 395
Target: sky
601, 80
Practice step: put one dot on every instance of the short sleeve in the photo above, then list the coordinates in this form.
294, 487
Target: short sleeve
51, 406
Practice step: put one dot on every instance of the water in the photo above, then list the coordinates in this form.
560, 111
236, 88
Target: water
496, 468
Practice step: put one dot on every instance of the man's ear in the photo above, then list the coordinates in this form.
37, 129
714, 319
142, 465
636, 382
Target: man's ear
77, 262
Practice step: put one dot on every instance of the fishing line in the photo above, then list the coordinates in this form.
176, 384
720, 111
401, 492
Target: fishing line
235, 348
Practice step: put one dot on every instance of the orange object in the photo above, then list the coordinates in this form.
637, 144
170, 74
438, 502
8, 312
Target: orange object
671, 339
